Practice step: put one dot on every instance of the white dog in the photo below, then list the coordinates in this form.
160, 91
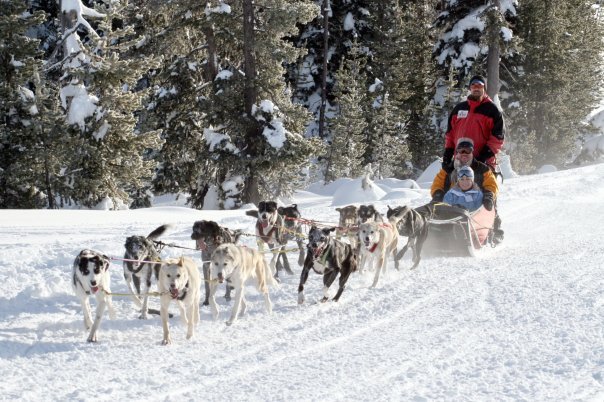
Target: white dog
179, 280
377, 241
238, 264
90, 276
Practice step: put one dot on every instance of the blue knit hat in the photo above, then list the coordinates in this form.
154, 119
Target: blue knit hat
465, 171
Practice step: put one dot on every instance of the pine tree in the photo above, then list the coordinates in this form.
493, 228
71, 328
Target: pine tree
20, 181
99, 97
232, 107
559, 80
345, 154
402, 62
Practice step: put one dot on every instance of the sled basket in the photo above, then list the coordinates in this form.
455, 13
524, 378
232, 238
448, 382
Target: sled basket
455, 232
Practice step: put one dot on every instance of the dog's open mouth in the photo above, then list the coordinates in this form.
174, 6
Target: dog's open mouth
220, 278
264, 223
94, 289
317, 252
174, 293
201, 244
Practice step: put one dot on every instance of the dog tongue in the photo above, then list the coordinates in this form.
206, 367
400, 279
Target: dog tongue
174, 293
94, 289
264, 224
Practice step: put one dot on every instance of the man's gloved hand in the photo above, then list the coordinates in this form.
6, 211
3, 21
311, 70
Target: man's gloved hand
438, 196
447, 164
487, 201
485, 154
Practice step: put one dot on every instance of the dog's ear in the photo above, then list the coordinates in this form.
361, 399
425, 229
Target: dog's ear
106, 261
261, 205
253, 213
280, 210
338, 209
327, 231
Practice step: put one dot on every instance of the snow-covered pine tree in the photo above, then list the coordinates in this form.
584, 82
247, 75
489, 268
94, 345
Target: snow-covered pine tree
21, 182
345, 155
559, 80
390, 155
347, 20
402, 62
99, 97
182, 33
253, 131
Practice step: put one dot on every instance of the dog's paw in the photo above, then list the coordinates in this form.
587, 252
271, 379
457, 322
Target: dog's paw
205, 303
300, 298
229, 323
166, 341
92, 339
323, 300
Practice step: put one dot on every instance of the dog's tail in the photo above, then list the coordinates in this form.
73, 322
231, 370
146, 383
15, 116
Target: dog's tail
159, 231
253, 213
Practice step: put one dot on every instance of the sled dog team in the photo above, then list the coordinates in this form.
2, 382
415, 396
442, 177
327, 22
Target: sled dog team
371, 240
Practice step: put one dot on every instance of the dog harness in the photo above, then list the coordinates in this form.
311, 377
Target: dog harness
266, 237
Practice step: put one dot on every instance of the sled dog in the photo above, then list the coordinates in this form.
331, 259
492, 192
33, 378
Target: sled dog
179, 281
239, 264
208, 235
292, 230
347, 224
269, 231
412, 224
143, 251
329, 257
378, 240
368, 213
90, 276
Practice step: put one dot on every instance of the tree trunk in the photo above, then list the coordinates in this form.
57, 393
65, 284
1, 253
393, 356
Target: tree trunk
326, 7
494, 18
249, 59
251, 191
211, 67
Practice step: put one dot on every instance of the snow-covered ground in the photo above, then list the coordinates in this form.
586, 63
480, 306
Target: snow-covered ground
523, 321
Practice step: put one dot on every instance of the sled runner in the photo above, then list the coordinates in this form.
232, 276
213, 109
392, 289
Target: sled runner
455, 232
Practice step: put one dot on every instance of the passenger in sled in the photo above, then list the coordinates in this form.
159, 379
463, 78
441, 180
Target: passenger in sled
465, 193
484, 179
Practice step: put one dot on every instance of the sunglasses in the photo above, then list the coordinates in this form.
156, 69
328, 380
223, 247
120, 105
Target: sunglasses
464, 151
465, 176
476, 85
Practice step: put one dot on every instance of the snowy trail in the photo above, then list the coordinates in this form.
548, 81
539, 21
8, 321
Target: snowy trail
523, 321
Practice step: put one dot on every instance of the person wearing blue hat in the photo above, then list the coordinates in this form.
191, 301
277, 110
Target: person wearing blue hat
465, 193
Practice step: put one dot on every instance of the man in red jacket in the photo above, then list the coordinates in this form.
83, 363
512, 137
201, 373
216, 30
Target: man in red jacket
477, 118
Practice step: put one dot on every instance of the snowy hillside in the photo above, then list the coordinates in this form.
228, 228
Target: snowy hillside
523, 321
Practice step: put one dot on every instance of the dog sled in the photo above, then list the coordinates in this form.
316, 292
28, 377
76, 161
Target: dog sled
455, 232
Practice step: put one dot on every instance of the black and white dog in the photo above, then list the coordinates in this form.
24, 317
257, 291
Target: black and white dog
329, 257
208, 235
269, 231
368, 213
90, 276
292, 230
142, 263
412, 224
